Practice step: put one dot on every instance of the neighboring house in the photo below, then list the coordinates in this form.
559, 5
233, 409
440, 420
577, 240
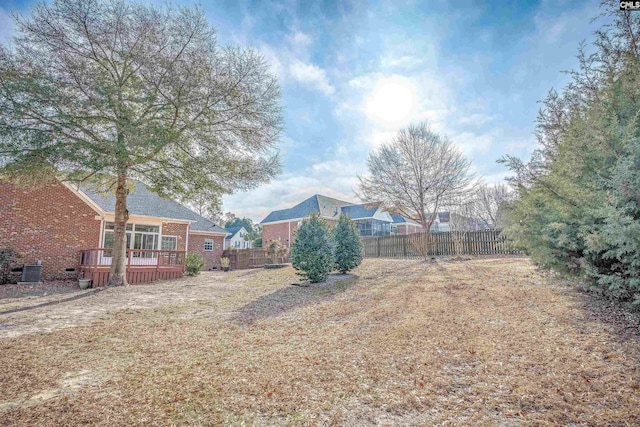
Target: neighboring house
235, 238
451, 221
441, 223
370, 218
56, 222
402, 225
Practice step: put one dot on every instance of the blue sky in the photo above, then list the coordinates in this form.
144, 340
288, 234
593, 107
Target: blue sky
353, 73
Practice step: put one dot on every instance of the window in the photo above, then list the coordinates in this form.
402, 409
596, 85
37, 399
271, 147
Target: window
237, 243
208, 244
169, 243
139, 236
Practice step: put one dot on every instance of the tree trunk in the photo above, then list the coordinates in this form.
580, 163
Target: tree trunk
118, 271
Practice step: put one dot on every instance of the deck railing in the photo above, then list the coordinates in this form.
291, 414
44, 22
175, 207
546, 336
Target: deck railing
103, 257
143, 265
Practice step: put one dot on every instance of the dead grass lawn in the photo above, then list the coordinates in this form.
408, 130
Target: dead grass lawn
479, 342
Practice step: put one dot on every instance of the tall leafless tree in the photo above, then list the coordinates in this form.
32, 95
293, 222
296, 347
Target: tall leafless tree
416, 173
488, 203
110, 91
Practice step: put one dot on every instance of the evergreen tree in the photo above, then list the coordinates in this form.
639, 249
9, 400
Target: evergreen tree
578, 205
312, 252
348, 250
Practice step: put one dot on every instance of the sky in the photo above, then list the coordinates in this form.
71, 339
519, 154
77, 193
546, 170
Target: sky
353, 73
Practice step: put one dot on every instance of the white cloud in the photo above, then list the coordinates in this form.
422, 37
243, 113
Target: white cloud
477, 119
405, 61
312, 76
520, 147
333, 178
495, 178
472, 144
300, 39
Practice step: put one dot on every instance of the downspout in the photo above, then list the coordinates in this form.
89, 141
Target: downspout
186, 243
289, 241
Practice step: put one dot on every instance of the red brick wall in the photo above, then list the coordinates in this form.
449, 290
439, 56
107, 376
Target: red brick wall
48, 223
179, 230
212, 258
280, 231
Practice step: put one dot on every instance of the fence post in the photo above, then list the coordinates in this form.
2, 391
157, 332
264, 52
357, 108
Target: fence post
404, 246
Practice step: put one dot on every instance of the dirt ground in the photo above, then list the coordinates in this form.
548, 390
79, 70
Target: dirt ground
474, 342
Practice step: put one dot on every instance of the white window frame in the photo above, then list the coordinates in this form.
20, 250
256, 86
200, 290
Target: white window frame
175, 240
131, 230
212, 243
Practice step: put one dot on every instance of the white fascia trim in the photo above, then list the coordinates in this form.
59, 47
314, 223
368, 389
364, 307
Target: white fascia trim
282, 221
142, 219
208, 233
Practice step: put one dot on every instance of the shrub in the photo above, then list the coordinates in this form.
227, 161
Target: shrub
348, 249
312, 251
193, 263
7, 259
276, 250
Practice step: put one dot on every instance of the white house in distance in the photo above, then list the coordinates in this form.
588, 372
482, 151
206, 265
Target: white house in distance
235, 239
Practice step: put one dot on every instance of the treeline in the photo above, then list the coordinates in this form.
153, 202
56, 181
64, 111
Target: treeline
578, 206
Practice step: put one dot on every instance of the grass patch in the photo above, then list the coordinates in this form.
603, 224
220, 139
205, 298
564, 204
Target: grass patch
486, 341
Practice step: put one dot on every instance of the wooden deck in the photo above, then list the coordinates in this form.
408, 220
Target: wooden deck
143, 266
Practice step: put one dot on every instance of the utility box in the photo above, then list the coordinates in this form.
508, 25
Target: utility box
32, 273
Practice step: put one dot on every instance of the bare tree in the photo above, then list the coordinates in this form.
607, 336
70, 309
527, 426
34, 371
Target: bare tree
416, 173
462, 220
489, 203
109, 91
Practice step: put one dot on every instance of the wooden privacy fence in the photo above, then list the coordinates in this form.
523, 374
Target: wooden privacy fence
240, 259
488, 242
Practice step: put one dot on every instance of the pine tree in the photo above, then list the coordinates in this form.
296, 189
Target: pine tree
312, 253
348, 250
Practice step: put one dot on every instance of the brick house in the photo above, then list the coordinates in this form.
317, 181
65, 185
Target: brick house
55, 222
370, 218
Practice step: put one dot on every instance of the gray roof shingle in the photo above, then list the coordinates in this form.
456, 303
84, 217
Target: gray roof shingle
328, 207
366, 210
142, 201
232, 232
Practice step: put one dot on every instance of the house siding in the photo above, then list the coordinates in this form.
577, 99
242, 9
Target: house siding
48, 223
237, 239
211, 258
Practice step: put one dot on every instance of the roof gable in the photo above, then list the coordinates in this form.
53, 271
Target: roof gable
301, 210
233, 231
